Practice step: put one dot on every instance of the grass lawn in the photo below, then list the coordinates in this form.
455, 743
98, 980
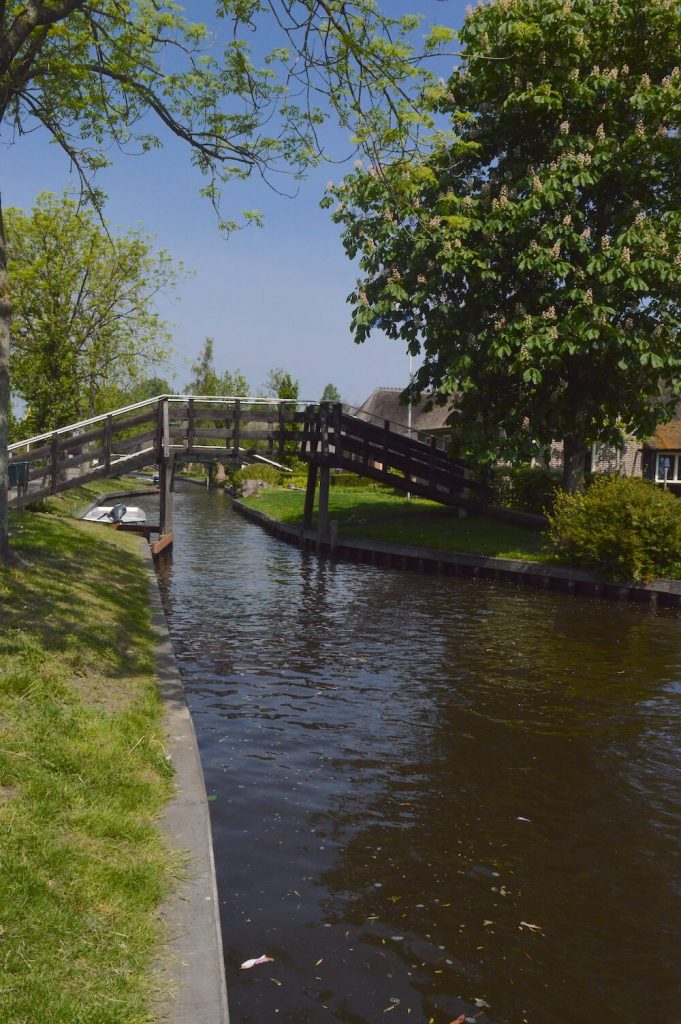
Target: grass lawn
83, 778
381, 515
74, 501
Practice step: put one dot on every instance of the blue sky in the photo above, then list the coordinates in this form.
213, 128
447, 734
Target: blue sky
269, 297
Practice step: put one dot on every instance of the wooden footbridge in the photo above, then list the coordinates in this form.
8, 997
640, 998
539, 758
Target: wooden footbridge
170, 429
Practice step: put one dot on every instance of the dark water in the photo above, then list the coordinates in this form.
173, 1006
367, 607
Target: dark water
373, 743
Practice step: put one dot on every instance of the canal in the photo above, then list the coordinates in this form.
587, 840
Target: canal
430, 797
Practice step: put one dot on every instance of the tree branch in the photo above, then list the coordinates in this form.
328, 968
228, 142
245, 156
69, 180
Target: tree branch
32, 17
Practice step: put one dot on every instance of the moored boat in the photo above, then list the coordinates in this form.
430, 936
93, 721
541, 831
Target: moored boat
116, 514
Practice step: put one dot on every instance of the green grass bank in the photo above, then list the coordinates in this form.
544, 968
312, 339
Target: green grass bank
372, 514
83, 776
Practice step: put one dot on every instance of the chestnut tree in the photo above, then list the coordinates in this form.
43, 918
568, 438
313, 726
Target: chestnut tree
534, 255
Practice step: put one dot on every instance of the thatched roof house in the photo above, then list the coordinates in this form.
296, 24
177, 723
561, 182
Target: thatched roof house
658, 458
384, 404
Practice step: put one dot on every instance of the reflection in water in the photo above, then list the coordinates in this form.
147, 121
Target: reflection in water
409, 772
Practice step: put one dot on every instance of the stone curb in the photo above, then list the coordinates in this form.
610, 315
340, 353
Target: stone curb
193, 961
512, 570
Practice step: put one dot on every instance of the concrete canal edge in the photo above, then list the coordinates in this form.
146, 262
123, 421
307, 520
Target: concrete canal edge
432, 560
192, 961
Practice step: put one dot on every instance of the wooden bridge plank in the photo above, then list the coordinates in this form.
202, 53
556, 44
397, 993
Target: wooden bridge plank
127, 444
129, 422
164, 541
414, 466
35, 455
78, 440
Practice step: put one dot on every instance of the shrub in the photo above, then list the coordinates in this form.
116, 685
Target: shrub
259, 471
295, 464
627, 528
349, 480
526, 488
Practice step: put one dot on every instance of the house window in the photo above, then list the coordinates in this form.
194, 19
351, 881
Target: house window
668, 467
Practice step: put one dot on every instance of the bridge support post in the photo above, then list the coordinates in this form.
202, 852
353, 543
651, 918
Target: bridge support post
323, 517
54, 462
166, 479
108, 430
309, 495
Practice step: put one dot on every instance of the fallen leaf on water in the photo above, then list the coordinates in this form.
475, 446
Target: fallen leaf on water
254, 963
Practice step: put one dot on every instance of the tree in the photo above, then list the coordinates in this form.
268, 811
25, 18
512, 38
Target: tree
84, 326
535, 259
148, 387
141, 391
207, 381
112, 72
331, 394
280, 384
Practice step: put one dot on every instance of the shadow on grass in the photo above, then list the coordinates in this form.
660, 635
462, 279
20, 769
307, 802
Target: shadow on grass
79, 595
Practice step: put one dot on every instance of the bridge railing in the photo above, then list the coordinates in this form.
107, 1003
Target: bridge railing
237, 426
94, 447
377, 450
232, 427
141, 433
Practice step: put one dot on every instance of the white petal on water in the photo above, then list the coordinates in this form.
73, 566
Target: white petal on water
255, 961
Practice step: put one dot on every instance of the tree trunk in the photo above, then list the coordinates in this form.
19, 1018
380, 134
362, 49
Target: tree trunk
574, 457
5, 314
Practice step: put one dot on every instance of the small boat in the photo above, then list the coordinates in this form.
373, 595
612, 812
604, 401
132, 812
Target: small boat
117, 514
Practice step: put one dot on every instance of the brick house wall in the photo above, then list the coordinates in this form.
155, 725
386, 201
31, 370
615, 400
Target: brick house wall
605, 458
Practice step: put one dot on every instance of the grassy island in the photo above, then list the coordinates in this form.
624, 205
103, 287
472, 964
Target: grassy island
379, 514
83, 777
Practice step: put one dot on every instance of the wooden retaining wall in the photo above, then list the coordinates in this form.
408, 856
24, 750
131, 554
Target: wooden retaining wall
664, 593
